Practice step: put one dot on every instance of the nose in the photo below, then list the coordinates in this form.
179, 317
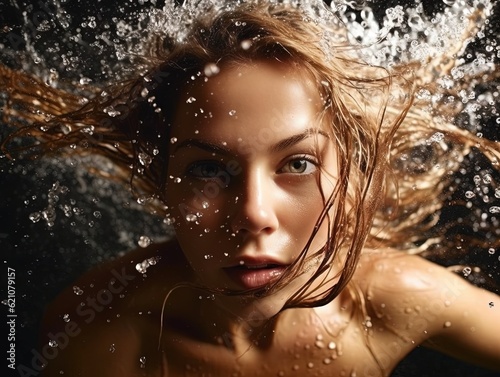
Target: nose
255, 205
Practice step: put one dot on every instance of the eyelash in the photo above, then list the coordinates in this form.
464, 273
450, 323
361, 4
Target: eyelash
191, 171
200, 164
309, 159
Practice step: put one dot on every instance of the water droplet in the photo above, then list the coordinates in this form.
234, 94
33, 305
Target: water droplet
145, 264
491, 304
469, 194
168, 220
52, 343
246, 44
142, 359
173, 140
110, 110
491, 251
211, 69
232, 112
177, 180
35, 217
66, 318
310, 365
144, 241
447, 324
466, 271
190, 100
77, 290
332, 346
494, 209
97, 214
191, 217
112, 348
208, 256
145, 159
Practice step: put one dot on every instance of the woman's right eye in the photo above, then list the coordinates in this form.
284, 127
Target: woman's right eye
205, 170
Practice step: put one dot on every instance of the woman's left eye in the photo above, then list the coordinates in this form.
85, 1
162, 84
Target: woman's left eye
300, 165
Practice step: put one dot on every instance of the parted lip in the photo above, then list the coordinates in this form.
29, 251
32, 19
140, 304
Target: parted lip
256, 263
252, 273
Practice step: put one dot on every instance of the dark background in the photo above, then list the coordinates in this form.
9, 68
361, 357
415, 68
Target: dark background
107, 222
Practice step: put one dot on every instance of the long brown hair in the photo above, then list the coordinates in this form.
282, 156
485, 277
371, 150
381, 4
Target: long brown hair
370, 111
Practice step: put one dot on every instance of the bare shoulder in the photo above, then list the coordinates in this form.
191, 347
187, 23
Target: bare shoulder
114, 304
117, 279
428, 304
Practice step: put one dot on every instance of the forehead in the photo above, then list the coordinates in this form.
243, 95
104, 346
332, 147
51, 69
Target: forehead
274, 96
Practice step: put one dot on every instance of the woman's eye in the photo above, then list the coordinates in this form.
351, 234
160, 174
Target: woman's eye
299, 166
205, 170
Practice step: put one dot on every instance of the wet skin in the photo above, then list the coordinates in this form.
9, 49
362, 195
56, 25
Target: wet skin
252, 132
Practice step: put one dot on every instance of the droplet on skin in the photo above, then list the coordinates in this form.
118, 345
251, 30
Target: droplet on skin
232, 112
447, 324
319, 344
191, 217
77, 290
66, 318
173, 140
52, 343
491, 304
190, 100
310, 365
332, 346
112, 348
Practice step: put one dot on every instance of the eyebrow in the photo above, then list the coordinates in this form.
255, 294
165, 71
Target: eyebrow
277, 147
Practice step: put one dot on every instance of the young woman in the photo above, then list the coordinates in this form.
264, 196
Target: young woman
299, 181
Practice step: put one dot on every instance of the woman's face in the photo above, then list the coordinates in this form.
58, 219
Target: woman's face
249, 161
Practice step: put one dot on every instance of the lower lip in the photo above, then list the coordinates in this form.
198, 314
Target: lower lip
254, 278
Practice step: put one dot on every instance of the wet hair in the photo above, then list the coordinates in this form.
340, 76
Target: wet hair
388, 188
